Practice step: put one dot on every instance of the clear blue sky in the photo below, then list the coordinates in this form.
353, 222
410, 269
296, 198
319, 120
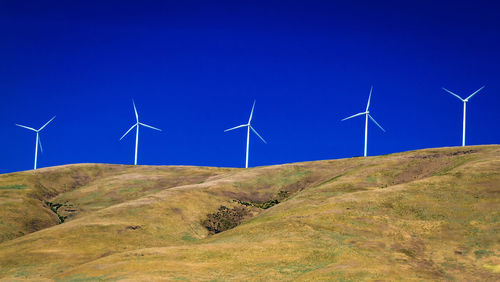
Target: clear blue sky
195, 67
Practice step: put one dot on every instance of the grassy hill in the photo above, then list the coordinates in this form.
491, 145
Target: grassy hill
423, 215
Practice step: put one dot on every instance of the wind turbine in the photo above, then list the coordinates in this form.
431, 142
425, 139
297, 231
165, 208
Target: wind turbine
38, 142
137, 132
367, 115
248, 132
465, 106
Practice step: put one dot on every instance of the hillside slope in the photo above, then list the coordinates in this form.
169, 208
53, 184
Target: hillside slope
427, 214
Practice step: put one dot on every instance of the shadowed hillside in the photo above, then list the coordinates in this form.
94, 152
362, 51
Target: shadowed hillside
429, 214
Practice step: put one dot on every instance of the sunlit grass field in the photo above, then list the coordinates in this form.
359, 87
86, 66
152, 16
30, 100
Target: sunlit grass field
423, 215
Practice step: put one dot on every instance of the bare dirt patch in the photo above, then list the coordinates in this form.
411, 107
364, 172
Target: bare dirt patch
425, 165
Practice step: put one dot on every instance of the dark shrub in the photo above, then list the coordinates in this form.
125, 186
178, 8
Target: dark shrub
225, 218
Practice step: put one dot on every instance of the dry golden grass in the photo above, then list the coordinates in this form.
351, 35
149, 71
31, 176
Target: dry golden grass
423, 215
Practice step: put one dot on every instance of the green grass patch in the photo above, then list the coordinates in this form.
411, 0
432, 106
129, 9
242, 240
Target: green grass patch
482, 253
189, 238
81, 278
14, 187
371, 179
22, 273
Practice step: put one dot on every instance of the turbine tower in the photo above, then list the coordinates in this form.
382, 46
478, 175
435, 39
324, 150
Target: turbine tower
37, 142
367, 115
248, 133
465, 107
137, 132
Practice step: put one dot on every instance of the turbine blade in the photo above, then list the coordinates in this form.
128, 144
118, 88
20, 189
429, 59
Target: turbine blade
257, 134
453, 94
354, 116
475, 93
243, 125
40, 143
149, 126
376, 122
26, 127
369, 97
135, 110
46, 123
251, 113
128, 131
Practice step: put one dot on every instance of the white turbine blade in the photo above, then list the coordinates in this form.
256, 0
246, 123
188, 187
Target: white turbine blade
243, 125
354, 116
376, 123
251, 113
369, 97
149, 126
128, 131
26, 127
474, 93
453, 94
257, 134
46, 123
135, 110
40, 143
